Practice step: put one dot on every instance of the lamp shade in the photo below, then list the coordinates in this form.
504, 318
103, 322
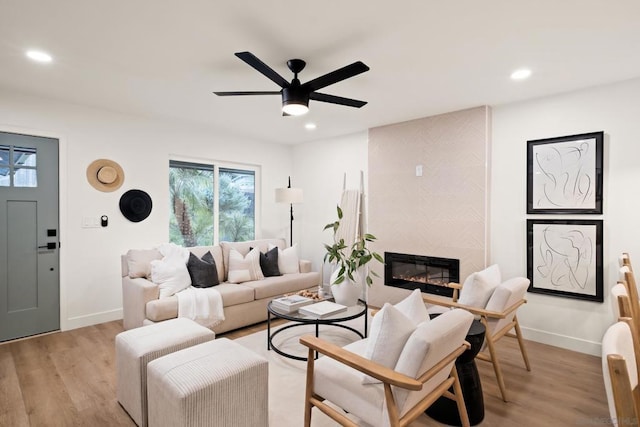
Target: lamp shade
288, 195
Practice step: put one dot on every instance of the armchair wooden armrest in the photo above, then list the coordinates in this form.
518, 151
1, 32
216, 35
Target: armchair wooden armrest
360, 363
376, 370
474, 310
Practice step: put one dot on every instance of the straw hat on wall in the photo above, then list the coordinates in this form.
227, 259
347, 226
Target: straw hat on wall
105, 175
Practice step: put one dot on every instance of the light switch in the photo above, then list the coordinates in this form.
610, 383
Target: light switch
90, 222
419, 170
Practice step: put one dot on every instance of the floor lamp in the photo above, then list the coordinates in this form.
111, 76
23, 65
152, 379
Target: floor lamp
289, 195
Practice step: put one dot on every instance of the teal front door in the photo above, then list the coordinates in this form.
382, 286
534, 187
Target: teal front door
29, 236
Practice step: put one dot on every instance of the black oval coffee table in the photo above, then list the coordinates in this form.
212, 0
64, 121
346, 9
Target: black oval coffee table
299, 319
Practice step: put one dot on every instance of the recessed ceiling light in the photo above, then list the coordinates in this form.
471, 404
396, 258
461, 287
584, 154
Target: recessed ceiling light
39, 56
310, 126
521, 74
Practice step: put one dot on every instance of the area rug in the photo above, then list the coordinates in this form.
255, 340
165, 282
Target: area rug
287, 376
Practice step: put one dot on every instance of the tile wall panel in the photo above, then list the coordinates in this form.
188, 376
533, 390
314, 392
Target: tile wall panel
444, 212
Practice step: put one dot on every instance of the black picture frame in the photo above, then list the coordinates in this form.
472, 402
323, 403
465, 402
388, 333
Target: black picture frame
565, 174
564, 258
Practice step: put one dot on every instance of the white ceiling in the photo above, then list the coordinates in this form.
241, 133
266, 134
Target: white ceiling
164, 58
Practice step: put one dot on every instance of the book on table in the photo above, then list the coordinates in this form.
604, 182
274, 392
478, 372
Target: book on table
322, 309
291, 303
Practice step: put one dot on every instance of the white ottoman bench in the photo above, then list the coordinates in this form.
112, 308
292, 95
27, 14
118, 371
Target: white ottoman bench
135, 348
218, 383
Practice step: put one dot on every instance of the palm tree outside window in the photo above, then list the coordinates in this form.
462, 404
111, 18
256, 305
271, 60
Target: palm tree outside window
209, 204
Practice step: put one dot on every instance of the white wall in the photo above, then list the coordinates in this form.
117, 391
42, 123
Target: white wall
319, 168
614, 109
90, 258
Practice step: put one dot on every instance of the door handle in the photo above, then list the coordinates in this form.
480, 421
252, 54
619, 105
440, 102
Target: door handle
50, 245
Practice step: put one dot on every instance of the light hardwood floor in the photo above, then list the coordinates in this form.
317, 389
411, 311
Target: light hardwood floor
68, 379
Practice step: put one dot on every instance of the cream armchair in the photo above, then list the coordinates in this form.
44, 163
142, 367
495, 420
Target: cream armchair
404, 392
620, 367
497, 306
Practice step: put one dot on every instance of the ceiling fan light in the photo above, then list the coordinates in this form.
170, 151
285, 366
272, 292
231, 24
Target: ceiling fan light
295, 109
294, 101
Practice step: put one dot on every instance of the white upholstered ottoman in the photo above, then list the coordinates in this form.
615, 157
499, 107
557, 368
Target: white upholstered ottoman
218, 383
135, 348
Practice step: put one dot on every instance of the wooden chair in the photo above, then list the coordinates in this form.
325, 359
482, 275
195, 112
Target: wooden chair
622, 302
625, 260
620, 359
338, 377
499, 318
627, 279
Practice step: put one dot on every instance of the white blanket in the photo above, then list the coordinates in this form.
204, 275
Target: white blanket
203, 305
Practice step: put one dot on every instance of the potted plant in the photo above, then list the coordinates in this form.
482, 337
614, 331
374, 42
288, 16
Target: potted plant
349, 260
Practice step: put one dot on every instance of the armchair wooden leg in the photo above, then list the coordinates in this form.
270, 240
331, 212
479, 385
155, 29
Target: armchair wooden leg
309, 389
496, 369
523, 350
462, 409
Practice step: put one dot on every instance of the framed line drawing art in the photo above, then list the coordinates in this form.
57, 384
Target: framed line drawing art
564, 174
564, 258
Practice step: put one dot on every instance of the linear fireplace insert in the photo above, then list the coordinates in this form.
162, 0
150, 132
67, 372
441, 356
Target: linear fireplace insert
429, 274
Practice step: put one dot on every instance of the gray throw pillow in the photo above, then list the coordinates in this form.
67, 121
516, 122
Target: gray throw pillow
203, 272
269, 263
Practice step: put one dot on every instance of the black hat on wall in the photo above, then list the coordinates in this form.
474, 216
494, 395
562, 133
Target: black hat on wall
135, 205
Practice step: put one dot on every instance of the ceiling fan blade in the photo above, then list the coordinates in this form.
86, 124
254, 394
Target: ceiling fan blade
263, 68
336, 99
247, 93
336, 76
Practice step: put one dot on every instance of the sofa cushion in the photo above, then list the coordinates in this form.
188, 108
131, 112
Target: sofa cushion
338, 382
414, 308
245, 247
216, 251
244, 268
139, 261
288, 262
269, 263
479, 287
234, 294
271, 287
170, 277
158, 310
203, 271
390, 330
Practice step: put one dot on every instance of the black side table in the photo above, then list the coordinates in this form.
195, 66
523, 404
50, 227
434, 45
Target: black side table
445, 410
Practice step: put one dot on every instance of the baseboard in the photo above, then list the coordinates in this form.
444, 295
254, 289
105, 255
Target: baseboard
91, 319
563, 341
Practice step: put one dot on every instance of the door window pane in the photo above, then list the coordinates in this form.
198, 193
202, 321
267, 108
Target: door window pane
191, 198
4, 155
18, 166
24, 156
5, 177
25, 177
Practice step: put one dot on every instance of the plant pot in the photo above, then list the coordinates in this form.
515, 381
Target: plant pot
347, 292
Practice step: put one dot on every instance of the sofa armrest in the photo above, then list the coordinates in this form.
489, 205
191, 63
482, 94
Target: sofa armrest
305, 266
135, 295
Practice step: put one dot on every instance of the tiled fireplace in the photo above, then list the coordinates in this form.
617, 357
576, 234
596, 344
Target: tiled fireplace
426, 273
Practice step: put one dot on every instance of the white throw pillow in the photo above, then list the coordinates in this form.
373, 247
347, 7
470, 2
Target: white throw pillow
481, 287
413, 308
390, 330
244, 269
139, 261
170, 277
287, 259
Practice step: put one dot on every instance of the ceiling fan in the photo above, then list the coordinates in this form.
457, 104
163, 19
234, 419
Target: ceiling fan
296, 95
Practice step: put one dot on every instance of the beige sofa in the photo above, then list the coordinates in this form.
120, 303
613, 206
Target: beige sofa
244, 303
